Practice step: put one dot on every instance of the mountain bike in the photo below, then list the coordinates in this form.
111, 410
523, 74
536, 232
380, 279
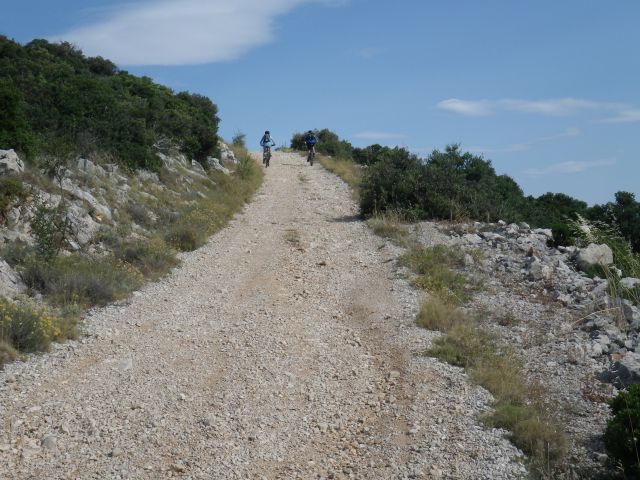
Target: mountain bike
266, 156
311, 155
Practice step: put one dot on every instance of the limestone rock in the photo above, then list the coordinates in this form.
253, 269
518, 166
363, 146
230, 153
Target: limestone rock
629, 282
77, 192
197, 166
472, 238
10, 162
627, 370
13, 216
214, 163
90, 168
10, 282
594, 255
226, 154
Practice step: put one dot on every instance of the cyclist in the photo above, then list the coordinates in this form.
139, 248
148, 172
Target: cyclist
310, 140
266, 143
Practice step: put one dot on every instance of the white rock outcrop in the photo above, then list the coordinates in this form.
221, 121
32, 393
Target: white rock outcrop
10, 282
10, 162
215, 164
594, 255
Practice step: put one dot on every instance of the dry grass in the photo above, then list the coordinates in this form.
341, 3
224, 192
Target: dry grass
434, 269
7, 353
534, 432
389, 225
347, 170
438, 315
518, 407
501, 374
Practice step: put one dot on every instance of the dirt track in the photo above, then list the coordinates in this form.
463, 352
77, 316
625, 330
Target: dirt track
285, 348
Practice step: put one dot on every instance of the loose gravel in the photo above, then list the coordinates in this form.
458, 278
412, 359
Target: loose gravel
284, 348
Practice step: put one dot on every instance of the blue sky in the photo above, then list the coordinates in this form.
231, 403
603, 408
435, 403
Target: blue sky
547, 90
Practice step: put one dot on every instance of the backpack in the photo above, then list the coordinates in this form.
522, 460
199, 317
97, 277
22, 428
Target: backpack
310, 139
266, 140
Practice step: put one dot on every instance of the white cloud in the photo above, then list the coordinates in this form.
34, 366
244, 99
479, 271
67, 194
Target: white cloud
548, 107
184, 32
570, 132
571, 167
554, 107
625, 116
379, 136
477, 108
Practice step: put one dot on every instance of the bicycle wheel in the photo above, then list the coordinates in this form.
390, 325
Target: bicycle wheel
312, 156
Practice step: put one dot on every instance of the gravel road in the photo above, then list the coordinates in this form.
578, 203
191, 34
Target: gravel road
284, 348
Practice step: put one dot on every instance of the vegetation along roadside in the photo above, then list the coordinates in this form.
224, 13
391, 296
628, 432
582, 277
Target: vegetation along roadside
92, 205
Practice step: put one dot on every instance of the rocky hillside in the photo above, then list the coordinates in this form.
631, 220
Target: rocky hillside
90, 233
578, 334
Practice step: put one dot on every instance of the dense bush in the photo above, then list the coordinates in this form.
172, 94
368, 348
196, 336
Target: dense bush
447, 185
11, 190
452, 185
51, 229
55, 100
456, 185
152, 258
624, 214
25, 328
621, 435
80, 280
329, 143
393, 183
375, 153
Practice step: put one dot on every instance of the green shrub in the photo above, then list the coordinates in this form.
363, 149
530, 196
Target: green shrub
11, 190
239, 140
184, 237
51, 229
533, 432
434, 268
25, 328
139, 214
463, 345
58, 102
500, 373
621, 435
80, 280
562, 235
153, 258
329, 143
438, 315
393, 183
16, 253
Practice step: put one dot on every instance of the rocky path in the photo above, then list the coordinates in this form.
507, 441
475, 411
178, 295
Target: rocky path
285, 348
